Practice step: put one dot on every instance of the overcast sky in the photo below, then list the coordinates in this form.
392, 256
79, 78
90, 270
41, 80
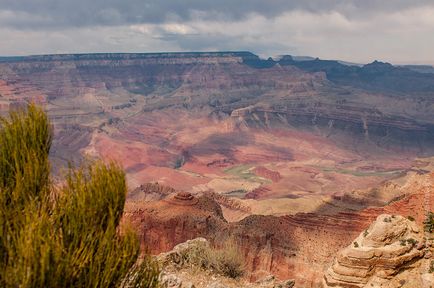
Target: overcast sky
398, 31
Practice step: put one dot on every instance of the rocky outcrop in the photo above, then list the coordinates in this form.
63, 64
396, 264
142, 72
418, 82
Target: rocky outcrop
267, 173
299, 246
230, 203
150, 192
257, 193
390, 245
180, 270
180, 217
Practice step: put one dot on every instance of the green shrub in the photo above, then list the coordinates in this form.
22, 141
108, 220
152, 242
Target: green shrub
356, 245
64, 238
429, 223
412, 241
411, 218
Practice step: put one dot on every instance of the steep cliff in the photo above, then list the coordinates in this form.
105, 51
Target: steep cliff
297, 246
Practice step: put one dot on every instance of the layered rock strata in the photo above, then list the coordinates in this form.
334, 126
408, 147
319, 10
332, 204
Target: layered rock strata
390, 245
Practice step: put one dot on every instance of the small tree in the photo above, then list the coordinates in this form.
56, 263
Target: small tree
64, 238
429, 222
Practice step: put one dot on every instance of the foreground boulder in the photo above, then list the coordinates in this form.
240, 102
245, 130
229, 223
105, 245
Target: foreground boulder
390, 245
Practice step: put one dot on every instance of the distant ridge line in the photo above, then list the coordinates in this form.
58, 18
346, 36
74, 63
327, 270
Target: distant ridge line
116, 56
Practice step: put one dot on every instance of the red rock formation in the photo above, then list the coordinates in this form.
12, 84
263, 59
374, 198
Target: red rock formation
267, 173
150, 191
163, 224
299, 246
257, 193
230, 203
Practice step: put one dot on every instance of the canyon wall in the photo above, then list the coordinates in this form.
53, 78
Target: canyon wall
300, 246
317, 95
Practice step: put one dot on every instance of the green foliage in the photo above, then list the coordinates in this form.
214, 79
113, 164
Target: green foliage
65, 238
25, 140
412, 242
356, 245
411, 218
429, 223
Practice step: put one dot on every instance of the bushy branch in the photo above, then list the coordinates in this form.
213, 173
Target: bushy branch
65, 239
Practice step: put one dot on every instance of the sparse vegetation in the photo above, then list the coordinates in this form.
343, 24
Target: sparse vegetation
122, 106
409, 241
226, 260
66, 237
114, 120
411, 218
429, 223
356, 245
245, 172
358, 173
236, 193
387, 219
365, 233
431, 267
412, 242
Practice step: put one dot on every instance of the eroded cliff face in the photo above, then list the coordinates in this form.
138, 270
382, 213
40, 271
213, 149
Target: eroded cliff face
300, 246
93, 88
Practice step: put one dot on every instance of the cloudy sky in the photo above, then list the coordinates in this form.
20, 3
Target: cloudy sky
399, 31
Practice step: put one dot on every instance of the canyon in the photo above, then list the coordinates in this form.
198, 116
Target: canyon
300, 246
293, 159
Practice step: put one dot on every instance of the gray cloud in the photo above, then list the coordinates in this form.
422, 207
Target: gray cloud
353, 30
33, 14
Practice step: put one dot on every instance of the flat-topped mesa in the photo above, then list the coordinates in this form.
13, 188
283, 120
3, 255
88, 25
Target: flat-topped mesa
390, 245
144, 58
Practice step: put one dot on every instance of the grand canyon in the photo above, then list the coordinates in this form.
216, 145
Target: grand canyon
295, 159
